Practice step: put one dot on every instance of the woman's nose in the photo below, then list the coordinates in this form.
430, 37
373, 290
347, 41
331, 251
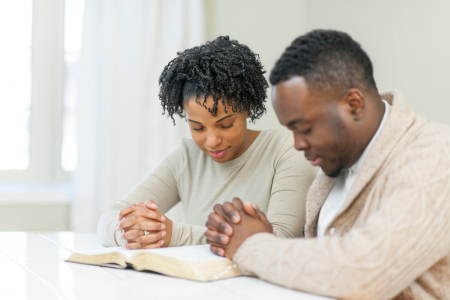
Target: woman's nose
213, 140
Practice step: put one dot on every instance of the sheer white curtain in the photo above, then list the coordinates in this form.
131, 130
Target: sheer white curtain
122, 133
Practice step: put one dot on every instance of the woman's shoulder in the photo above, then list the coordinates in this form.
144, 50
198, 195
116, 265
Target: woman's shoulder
185, 150
277, 139
280, 145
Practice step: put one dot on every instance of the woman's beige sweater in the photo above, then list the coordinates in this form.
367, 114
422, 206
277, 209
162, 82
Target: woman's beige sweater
391, 237
270, 173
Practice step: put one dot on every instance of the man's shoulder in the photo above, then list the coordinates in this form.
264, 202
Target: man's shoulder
432, 136
427, 152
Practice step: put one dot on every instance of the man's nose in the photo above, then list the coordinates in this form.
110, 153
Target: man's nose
300, 143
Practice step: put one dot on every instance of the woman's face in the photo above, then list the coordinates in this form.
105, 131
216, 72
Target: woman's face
223, 137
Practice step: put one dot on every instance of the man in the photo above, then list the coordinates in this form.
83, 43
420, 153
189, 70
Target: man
377, 215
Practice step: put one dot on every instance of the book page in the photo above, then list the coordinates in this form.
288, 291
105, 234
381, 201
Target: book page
127, 252
187, 253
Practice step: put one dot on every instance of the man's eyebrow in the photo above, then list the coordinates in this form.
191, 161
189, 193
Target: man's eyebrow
225, 118
298, 120
194, 121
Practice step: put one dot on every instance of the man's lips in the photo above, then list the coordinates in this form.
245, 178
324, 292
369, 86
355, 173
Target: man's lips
218, 153
315, 161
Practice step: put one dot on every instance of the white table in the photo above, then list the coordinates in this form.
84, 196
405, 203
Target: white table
32, 266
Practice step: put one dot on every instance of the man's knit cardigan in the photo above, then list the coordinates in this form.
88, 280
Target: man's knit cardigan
391, 237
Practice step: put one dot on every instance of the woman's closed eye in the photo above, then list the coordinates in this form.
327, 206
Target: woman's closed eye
228, 126
197, 129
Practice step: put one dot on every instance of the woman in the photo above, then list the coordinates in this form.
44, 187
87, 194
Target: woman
216, 86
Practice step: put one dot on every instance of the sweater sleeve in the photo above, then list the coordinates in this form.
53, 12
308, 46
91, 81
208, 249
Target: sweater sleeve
187, 234
292, 179
160, 186
406, 236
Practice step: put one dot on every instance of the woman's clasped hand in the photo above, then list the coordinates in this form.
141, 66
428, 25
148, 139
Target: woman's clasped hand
143, 227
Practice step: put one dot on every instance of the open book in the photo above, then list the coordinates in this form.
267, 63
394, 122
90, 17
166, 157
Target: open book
189, 262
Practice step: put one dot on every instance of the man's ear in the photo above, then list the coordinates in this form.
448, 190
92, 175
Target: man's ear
354, 101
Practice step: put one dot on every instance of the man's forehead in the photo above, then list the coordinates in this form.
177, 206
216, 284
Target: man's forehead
292, 101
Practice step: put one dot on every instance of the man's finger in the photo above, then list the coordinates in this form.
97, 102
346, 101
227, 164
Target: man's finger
238, 204
217, 248
251, 210
232, 212
209, 225
218, 223
218, 251
262, 216
217, 237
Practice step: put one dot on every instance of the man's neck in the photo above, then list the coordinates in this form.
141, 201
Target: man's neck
375, 112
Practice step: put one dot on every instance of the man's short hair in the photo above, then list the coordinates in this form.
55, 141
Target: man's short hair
329, 60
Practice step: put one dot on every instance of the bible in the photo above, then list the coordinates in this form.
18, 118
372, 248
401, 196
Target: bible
188, 262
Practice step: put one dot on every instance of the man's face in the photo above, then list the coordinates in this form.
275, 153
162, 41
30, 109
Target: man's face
317, 124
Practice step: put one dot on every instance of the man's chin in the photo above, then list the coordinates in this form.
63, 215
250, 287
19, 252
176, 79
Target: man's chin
333, 173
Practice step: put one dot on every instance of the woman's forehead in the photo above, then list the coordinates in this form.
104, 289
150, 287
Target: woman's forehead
202, 109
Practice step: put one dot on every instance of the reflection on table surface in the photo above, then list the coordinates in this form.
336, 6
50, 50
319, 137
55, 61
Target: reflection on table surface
33, 267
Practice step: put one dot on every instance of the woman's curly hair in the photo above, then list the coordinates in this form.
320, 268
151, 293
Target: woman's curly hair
224, 69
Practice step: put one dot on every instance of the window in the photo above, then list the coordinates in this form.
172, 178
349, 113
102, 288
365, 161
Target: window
15, 84
38, 90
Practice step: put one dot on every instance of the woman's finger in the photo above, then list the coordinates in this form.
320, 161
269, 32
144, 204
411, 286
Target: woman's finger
150, 204
130, 235
147, 225
153, 215
132, 245
127, 210
154, 245
151, 238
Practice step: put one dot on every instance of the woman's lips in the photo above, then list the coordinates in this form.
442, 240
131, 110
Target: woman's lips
219, 153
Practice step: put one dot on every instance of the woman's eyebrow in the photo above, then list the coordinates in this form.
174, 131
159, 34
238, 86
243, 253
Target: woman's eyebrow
224, 118
216, 121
